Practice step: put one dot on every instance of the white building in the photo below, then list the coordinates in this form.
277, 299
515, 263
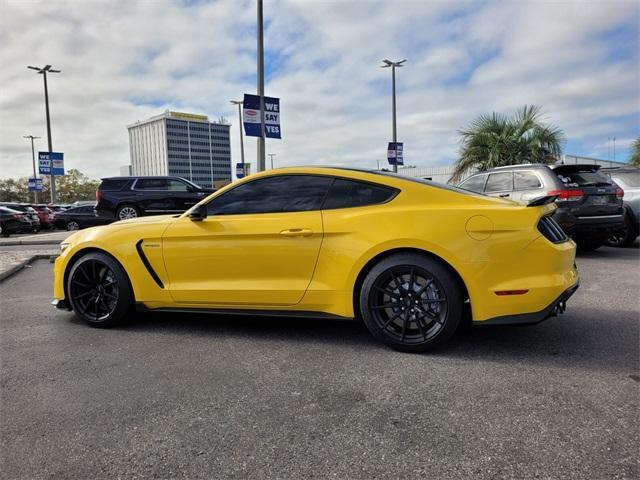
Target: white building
181, 144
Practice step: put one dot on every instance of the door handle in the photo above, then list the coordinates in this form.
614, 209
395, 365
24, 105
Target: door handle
504, 195
297, 232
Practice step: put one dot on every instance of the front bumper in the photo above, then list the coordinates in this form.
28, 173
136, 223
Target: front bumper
555, 308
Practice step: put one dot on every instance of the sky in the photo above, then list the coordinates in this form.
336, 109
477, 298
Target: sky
125, 60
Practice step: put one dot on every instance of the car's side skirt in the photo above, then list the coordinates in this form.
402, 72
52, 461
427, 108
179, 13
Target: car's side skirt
141, 307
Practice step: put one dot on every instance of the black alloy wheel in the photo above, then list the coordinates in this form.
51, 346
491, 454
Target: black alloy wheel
625, 237
412, 303
99, 290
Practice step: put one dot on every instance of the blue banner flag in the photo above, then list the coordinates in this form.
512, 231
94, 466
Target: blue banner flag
51, 163
35, 184
394, 153
252, 118
240, 168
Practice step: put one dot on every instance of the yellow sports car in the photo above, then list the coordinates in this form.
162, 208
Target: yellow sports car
410, 257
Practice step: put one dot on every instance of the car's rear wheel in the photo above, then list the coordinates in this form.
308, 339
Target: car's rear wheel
127, 211
99, 291
411, 302
73, 225
625, 237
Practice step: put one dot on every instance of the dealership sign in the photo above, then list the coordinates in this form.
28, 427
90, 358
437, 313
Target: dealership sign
35, 184
251, 116
394, 153
240, 169
51, 163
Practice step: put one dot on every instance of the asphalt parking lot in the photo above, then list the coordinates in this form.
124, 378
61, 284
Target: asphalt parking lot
174, 396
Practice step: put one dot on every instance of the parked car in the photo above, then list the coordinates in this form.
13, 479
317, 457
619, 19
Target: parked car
628, 178
76, 218
130, 197
410, 257
589, 203
11, 221
30, 213
46, 216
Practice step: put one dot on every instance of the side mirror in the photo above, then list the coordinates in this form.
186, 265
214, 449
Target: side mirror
199, 213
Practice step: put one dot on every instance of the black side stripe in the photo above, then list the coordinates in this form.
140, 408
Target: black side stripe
147, 265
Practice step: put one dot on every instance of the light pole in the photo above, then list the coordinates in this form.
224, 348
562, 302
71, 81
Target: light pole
33, 160
43, 71
393, 65
239, 104
271, 155
261, 147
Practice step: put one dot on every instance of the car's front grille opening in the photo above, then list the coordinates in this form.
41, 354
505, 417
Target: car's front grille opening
551, 230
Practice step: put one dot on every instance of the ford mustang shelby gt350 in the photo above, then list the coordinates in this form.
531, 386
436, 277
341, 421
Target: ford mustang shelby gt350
411, 258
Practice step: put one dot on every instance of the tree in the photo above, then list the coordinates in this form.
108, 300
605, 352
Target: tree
496, 140
69, 188
634, 159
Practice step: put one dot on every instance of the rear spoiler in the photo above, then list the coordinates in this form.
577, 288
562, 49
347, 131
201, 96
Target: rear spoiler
544, 200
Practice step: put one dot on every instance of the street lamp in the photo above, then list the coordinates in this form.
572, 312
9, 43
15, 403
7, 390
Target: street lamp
393, 65
239, 104
260, 54
43, 71
33, 160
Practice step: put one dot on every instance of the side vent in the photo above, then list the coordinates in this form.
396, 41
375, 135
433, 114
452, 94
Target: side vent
147, 265
551, 230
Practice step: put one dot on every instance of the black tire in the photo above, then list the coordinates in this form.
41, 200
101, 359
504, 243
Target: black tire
411, 302
589, 244
127, 211
99, 290
624, 237
72, 225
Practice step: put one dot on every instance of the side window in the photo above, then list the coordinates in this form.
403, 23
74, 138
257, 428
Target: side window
177, 186
474, 184
348, 193
525, 181
86, 209
499, 182
282, 193
151, 184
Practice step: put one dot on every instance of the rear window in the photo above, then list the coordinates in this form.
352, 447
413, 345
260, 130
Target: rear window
583, 178
349, 193
499, 182
113, 184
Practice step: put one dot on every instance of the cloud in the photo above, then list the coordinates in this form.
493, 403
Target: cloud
124, 61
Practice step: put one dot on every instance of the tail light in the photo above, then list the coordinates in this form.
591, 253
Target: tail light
98, 195
568, 195
619, 192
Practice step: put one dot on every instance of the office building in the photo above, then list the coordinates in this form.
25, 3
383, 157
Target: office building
183, 145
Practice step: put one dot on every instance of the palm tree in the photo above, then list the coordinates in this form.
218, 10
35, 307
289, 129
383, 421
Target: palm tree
495, 140
634, 159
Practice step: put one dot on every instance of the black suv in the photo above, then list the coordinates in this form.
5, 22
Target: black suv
589, 203
130, 197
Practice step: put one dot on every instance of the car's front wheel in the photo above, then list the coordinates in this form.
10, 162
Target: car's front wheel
98, 290
411, 302
625, 237
73, 225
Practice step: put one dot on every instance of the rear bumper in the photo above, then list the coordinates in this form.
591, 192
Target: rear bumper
557, 307
573, 225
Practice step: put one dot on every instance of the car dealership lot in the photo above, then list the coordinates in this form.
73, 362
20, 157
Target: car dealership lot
176, 396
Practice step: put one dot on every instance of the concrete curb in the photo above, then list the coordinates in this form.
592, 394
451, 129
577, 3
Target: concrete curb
16, 268
13, 243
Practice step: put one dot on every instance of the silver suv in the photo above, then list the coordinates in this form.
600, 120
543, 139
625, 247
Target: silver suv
629, 179
589, 203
